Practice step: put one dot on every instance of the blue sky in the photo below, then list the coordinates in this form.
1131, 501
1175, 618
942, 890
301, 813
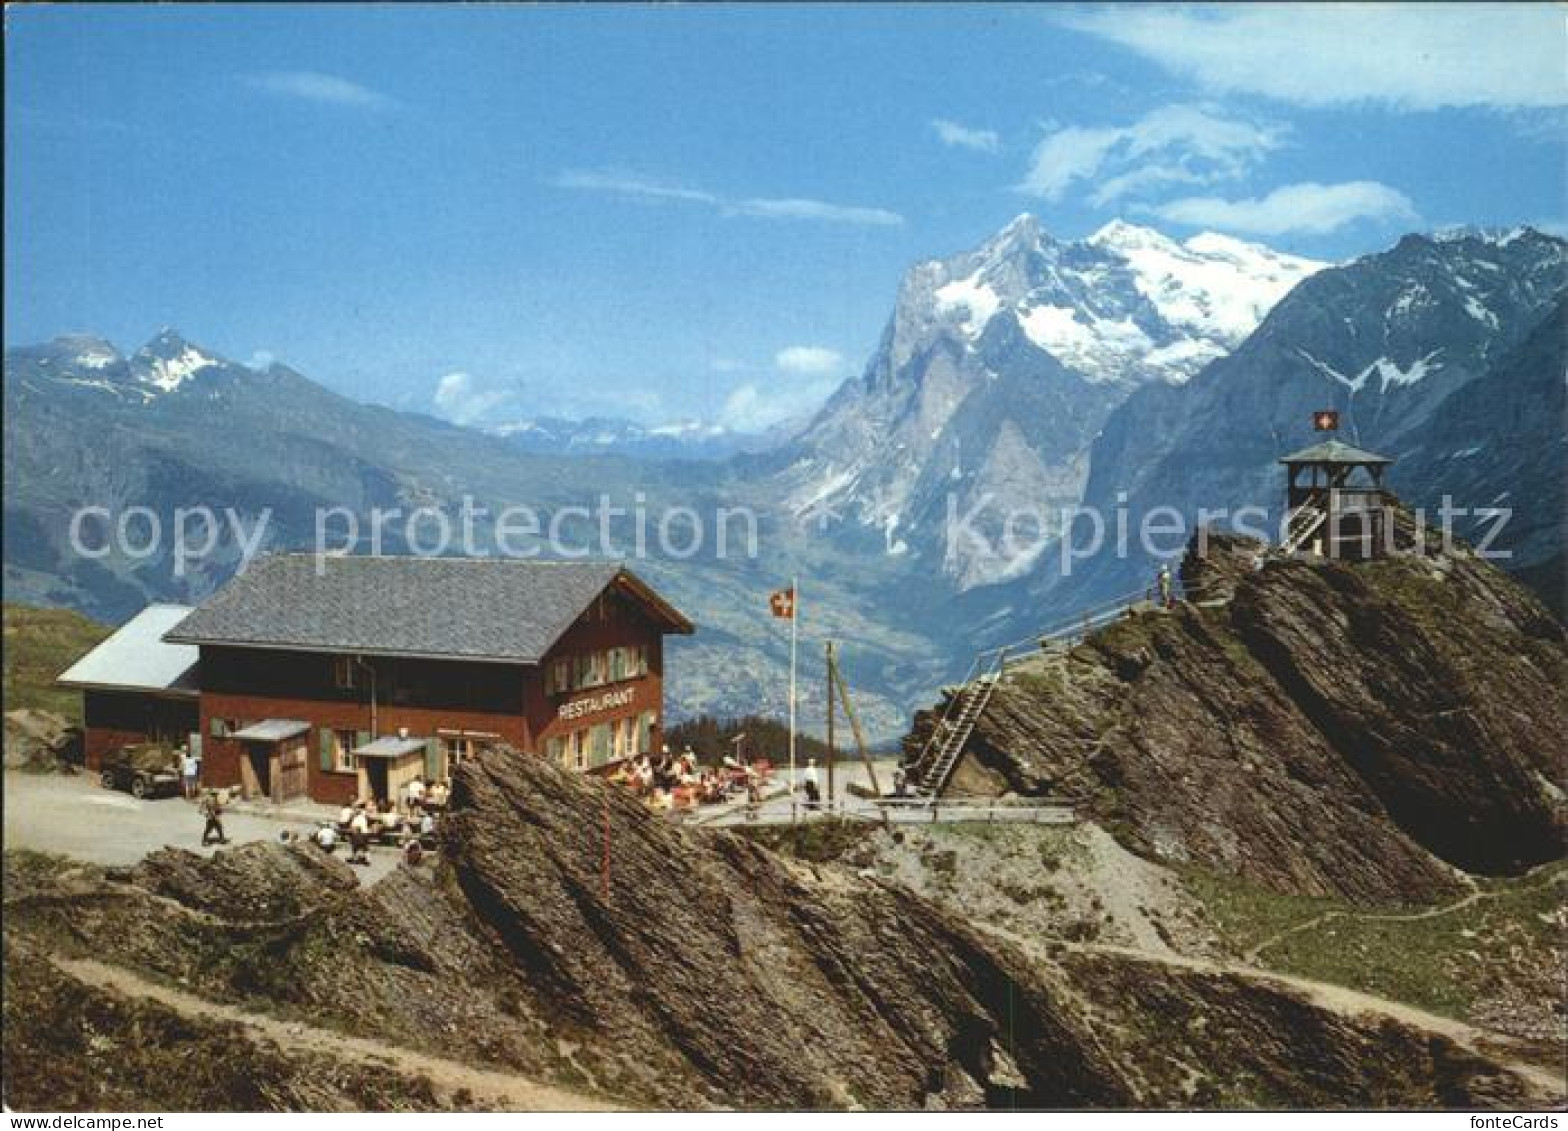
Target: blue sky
496, 212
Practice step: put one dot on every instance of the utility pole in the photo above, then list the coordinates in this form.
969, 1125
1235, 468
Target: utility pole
830, 725
854, 726
794, 623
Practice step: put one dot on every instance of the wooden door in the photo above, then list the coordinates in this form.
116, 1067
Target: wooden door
289, 780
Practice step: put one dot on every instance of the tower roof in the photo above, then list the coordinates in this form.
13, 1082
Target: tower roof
1334, 451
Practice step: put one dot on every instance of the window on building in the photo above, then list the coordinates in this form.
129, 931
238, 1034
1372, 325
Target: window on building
555, 750
599, 744
626, 737
343, 672
343, 743
645, 733
595, 669
458, 749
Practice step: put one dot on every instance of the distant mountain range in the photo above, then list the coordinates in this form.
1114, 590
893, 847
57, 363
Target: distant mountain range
599, 435
1387, 340
1028, 376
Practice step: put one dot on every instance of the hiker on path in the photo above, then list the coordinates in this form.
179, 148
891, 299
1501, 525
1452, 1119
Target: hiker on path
212, 809
813, 789
190, 769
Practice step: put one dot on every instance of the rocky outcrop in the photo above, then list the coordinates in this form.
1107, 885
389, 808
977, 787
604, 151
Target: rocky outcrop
1351, 728
41, 741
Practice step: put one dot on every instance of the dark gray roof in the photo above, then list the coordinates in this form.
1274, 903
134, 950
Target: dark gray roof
1333, 451
496, 609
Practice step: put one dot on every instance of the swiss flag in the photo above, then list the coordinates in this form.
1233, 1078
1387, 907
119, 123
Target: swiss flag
783, 603
1325, 420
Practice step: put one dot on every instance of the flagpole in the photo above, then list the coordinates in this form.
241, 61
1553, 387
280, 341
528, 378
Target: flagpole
794, 631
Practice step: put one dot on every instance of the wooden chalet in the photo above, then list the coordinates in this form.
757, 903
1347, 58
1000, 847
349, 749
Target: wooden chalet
342, 678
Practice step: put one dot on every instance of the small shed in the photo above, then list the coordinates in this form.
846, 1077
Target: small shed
1337, 504
275, 756
389, 763
138, 688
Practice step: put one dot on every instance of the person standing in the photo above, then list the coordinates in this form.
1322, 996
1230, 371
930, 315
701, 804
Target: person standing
359, 837
813, 786
212, 810
1165, 586
190, 771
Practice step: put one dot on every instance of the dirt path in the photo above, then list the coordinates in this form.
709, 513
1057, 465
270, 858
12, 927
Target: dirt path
1551, 1088
1352, 1003
1391, 917
488, 1088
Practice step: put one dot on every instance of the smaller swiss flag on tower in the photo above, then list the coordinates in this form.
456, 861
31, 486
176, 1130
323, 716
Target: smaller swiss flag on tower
783, 603
1325, 420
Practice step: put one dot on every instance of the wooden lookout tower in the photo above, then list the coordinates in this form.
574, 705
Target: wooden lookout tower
1337, 505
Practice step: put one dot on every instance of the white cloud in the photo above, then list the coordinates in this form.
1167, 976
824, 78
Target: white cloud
631, 184
809, 376
313, 86
797, 208
1176, 144
749, 409
639, 187
1409, 55
966, 137
809, 361
1307, 208
462, 400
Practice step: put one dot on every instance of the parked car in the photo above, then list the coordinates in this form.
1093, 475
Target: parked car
142, 771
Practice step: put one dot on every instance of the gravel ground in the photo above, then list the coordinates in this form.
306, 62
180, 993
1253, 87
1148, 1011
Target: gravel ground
1042, 881
74, 816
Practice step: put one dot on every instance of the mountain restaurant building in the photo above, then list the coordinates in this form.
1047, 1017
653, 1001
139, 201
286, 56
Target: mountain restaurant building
339, 678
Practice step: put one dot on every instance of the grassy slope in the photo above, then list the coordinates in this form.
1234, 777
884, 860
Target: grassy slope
1446, 962
39, 645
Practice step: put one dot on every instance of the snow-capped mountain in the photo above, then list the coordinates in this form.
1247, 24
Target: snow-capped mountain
166, 364
1125, 305
999, 365
1387, 340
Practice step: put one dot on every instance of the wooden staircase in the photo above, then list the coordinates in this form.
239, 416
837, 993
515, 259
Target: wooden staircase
1304, 524
946, 745
930, 770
